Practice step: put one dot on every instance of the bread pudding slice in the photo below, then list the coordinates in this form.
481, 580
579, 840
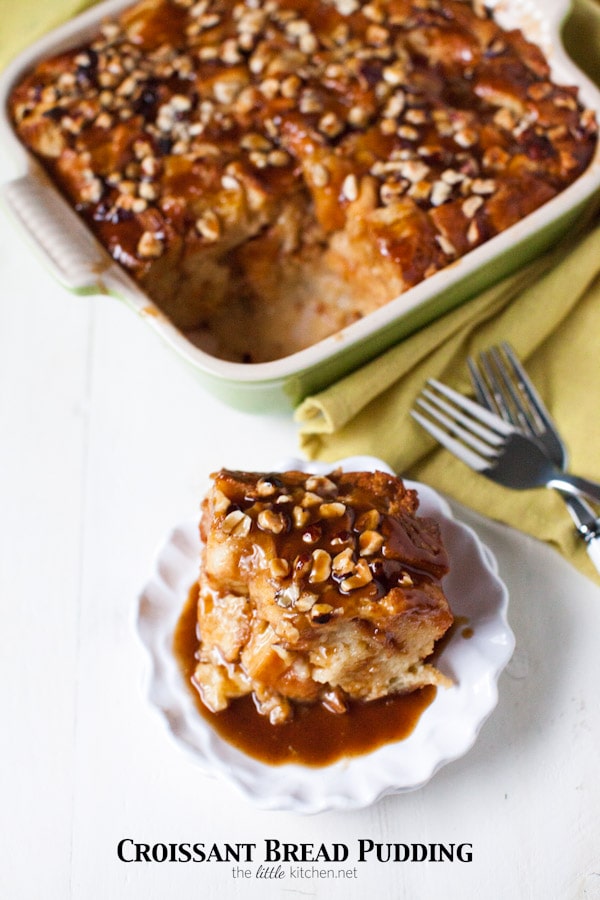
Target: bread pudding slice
316, 589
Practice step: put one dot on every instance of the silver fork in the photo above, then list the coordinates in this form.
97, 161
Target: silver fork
492, 446
502, 385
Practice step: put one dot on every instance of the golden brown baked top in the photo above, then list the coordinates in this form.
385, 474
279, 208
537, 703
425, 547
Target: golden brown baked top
342, 546
390, 136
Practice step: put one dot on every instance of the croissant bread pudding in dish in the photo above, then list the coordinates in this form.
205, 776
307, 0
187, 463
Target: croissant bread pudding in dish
316, 590
270, 172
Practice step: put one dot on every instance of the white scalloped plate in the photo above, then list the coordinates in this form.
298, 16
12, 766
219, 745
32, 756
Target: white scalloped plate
446, 730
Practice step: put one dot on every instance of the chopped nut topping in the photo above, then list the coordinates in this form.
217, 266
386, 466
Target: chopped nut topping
358, 116
408, 133
334, 701
92, 191
237, 523
332, 510
230, 53
414, 170
466, 137
258, 159
308, 43
278, 158
321, 568
306, 601
370, 542
310, 499
208, 226
346, 7
279, 568
221, 501
226, 91
350, 188
395, 75
440, 192
451, 176
302, 566
271, 521
320, 484
377, 36
415, 116
395, 105
149, 165
265, 488
369, 520
300, 516
505, 118
471, 205
288, 596
287, 631
229, 183
483, 185
255, 141
473, 232
290, 87
149, 246
361, 576
321, 613
390, 191
310, 102
269, 88
343, 563
446, 245
330, 125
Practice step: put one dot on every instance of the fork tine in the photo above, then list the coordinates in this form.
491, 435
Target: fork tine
518, 409
470, 406
495, 388
490, 364
541, 415
451, 425
456, 447
455, 415
482, 391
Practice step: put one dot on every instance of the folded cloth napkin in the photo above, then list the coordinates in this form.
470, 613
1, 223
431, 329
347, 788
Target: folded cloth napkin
26, 20
549, 311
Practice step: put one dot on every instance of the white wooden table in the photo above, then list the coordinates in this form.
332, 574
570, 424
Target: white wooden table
106, 442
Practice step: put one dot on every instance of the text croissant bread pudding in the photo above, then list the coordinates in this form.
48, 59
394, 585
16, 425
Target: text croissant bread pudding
271, 172
316, 590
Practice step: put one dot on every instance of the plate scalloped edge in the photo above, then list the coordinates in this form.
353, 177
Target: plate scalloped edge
446, 730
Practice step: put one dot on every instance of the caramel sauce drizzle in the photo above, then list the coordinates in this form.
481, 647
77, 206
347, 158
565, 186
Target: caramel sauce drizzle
315, 736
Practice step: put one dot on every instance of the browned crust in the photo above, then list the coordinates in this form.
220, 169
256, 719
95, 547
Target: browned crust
222, 150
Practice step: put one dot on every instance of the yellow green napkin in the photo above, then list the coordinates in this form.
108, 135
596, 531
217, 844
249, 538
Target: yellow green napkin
549, 311
24, 21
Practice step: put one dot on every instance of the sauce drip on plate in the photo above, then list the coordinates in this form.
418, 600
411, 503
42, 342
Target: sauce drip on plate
315, 736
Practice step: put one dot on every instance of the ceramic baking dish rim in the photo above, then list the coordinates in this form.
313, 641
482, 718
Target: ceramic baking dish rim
543, 25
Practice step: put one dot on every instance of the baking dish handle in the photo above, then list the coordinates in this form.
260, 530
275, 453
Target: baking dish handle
56, 230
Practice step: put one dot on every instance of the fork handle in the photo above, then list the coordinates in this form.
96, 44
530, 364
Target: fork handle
593, 549
573, 484
588, 525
